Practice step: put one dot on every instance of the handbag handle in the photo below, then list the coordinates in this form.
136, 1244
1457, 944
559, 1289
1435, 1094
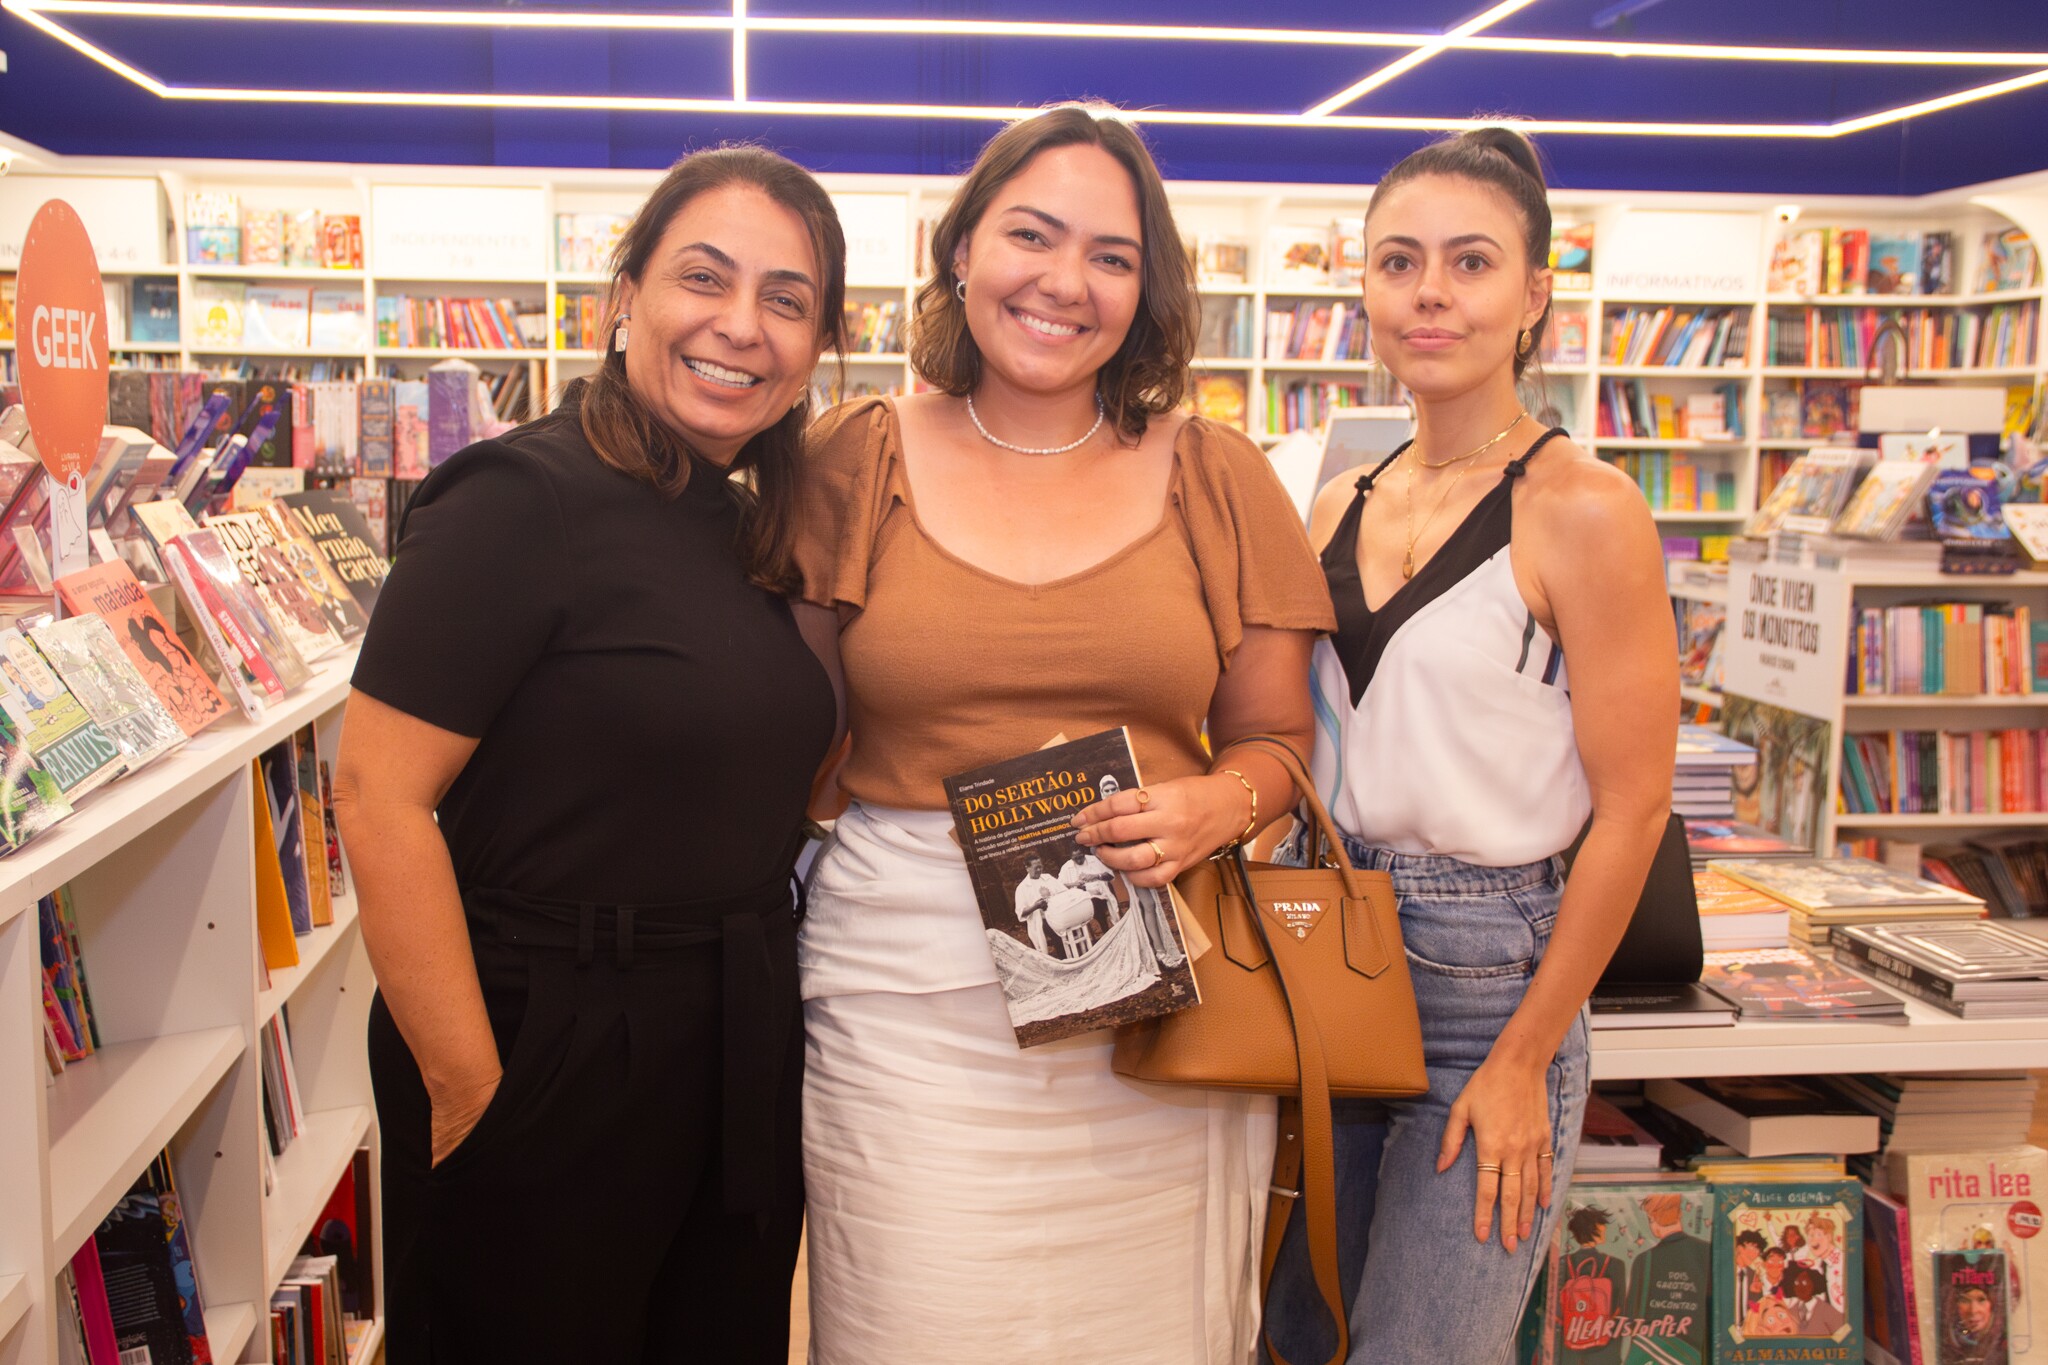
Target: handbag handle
1318, 1139
1305, 787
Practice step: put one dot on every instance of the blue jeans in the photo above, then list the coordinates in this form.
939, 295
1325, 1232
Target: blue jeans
1422, 1289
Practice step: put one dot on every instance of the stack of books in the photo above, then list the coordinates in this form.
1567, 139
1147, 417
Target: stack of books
1611, 1141
1766, 1116
1785, 985
1707, 840
1979, 969
1945, 1112
1826, 894
1654, 1006
1735, 916
1703, 786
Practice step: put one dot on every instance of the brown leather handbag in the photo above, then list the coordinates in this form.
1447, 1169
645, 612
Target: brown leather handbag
1305, 994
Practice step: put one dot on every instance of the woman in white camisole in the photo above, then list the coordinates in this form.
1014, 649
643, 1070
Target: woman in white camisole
1456, 751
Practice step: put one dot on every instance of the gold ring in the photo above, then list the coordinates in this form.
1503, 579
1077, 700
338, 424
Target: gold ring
1493, 1166
1144, 797
1158, 853
1510, 1175
1546, 1156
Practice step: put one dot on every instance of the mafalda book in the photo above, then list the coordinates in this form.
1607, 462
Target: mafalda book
1076, 946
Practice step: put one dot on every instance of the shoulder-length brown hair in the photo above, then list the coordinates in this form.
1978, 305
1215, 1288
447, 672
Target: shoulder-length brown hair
1149, 372
624, 431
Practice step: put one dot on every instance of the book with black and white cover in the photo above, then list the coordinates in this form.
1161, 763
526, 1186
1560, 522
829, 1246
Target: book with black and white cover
1961, 960
1077, 947
98, 671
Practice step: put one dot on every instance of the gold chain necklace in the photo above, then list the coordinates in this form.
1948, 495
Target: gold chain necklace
1476, 450
1463, 463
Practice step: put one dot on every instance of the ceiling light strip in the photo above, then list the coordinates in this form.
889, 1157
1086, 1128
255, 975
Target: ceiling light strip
997, 28
92, 51
1476, 42
1733, 52
739, 51
1402, 65
968, 112
1940, 102
29, 10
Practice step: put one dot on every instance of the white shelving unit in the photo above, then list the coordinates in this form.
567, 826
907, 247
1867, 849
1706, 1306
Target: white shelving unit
1853, 586
1932, 1040
1244, 211
162, 871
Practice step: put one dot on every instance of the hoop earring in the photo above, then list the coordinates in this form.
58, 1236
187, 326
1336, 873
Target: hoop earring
1524, 345
960, 290
619, 333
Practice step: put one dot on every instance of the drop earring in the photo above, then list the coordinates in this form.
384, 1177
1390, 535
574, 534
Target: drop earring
1524, 345
619, 333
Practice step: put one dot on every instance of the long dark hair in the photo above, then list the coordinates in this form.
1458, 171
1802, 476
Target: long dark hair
1149, 372
625, 433
1505, 160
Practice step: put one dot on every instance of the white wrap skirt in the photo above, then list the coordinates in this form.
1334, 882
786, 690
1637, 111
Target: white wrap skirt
971, 1200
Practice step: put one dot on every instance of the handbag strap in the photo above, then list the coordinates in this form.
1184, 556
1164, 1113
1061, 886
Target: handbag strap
1316, 1146
1332, 842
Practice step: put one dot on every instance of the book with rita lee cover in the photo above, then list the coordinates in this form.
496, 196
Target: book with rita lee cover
1076, 946
1987, 1201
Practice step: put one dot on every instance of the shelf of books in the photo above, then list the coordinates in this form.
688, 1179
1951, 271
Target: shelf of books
1689, 340
195, 1129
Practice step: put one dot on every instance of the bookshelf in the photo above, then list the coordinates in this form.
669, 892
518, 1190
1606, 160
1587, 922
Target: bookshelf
496, 233
163, 873
1810, 682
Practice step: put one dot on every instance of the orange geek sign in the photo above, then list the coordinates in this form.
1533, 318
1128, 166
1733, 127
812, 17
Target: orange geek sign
61, 341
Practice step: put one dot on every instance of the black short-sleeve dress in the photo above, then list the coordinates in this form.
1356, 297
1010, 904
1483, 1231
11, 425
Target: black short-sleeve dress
648, 723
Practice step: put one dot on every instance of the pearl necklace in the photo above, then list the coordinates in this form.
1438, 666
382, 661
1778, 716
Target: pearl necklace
1027, 450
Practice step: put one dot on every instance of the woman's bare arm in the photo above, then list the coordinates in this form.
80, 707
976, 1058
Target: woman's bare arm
391, 773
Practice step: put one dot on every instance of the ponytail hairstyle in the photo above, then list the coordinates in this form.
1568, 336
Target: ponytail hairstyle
1504, 160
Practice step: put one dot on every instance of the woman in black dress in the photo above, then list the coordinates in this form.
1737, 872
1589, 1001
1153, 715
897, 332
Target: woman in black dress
573, 770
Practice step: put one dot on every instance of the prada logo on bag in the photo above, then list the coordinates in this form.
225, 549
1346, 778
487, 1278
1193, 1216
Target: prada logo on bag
1297, 917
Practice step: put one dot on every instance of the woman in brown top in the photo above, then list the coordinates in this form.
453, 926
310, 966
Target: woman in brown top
1044, 547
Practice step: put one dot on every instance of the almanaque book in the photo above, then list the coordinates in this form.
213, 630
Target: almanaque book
1076, 946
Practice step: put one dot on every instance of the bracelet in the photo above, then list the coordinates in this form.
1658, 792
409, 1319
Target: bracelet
1252, 823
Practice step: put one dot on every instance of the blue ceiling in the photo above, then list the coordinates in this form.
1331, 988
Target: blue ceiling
54, 97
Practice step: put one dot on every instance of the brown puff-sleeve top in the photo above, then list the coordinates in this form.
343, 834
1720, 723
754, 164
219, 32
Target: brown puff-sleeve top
949, 667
